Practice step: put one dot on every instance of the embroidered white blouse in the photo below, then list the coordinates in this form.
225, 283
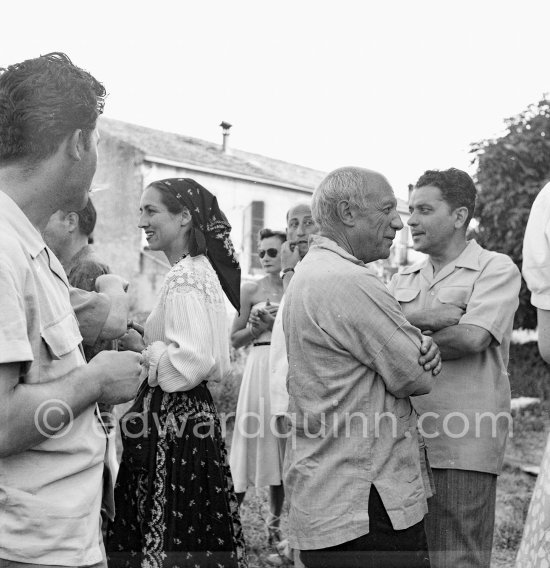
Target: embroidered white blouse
186, 333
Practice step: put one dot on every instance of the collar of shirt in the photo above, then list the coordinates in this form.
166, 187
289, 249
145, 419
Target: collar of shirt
28, 234
468, 258
318, 241
17, 220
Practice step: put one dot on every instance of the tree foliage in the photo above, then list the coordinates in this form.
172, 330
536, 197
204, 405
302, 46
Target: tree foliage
511, 170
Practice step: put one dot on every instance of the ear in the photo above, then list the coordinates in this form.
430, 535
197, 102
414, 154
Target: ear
186, 217
461, 214
346, 213
71, 221
76, 145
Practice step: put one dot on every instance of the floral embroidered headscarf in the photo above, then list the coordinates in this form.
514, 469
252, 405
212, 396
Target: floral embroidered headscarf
211, 232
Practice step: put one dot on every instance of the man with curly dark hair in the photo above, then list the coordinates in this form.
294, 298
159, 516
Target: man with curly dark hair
43, 100
52, 444
466, 297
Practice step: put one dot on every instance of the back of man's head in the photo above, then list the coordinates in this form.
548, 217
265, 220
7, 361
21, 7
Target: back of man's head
42, 101
456, 186
87, 218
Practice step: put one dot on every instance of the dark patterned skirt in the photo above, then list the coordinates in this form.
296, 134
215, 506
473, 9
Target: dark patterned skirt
174, 498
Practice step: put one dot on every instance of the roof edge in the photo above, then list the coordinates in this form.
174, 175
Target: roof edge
225, 173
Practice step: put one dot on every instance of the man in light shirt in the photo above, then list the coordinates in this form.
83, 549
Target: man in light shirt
466, 296
300, 225
353, 472
52, 444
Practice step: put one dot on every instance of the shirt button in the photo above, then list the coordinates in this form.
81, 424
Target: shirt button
334, 402
432, 293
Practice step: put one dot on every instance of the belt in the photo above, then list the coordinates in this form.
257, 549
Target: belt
261, 343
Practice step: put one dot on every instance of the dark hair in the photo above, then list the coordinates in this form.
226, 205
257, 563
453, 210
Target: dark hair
42, 101
87, 218
168, 199
267, 233
456, 186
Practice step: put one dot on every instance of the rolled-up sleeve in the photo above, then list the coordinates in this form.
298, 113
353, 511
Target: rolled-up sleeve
15, 346
536, 250
494, 298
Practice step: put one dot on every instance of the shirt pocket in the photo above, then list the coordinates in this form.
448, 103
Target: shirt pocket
61, 337
457, 295
404, 295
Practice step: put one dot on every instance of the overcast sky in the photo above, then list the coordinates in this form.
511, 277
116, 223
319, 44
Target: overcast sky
398, 86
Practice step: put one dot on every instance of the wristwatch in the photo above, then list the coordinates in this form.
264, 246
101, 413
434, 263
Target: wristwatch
285, 271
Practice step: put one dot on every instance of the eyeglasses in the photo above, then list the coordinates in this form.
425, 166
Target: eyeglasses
272, 253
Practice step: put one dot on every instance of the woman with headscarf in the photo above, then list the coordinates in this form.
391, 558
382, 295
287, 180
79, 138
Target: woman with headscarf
174, 498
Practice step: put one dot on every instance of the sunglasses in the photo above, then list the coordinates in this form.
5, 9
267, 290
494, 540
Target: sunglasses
272, 253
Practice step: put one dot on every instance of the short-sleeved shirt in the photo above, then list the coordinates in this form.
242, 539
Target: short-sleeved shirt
467, 413
353, 361
536, 250
50, 494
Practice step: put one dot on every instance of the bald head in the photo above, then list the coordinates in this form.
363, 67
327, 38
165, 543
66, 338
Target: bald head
300, 225
357, 186
303, 207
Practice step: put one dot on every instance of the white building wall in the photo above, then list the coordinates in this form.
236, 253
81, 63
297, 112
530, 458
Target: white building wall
234, 196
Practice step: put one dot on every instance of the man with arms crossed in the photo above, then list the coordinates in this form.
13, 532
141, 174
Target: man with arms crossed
352, 467
466, 296
52, 444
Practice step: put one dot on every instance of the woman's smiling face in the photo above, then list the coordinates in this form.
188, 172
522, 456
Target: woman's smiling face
163, 230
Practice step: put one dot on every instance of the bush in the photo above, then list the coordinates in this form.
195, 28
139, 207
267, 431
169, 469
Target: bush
511, 170
529, 374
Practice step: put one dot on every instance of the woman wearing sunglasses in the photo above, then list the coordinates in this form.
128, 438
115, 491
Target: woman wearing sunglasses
256, 458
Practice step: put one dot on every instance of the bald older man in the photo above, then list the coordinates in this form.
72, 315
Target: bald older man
353, 469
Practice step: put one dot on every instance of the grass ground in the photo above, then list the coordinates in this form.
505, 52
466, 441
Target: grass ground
514, 491
528, 377
514, 487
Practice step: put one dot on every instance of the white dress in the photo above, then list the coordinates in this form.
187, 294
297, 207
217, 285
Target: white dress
255, 458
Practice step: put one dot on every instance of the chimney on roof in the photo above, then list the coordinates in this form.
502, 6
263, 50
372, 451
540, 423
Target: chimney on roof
225, 129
